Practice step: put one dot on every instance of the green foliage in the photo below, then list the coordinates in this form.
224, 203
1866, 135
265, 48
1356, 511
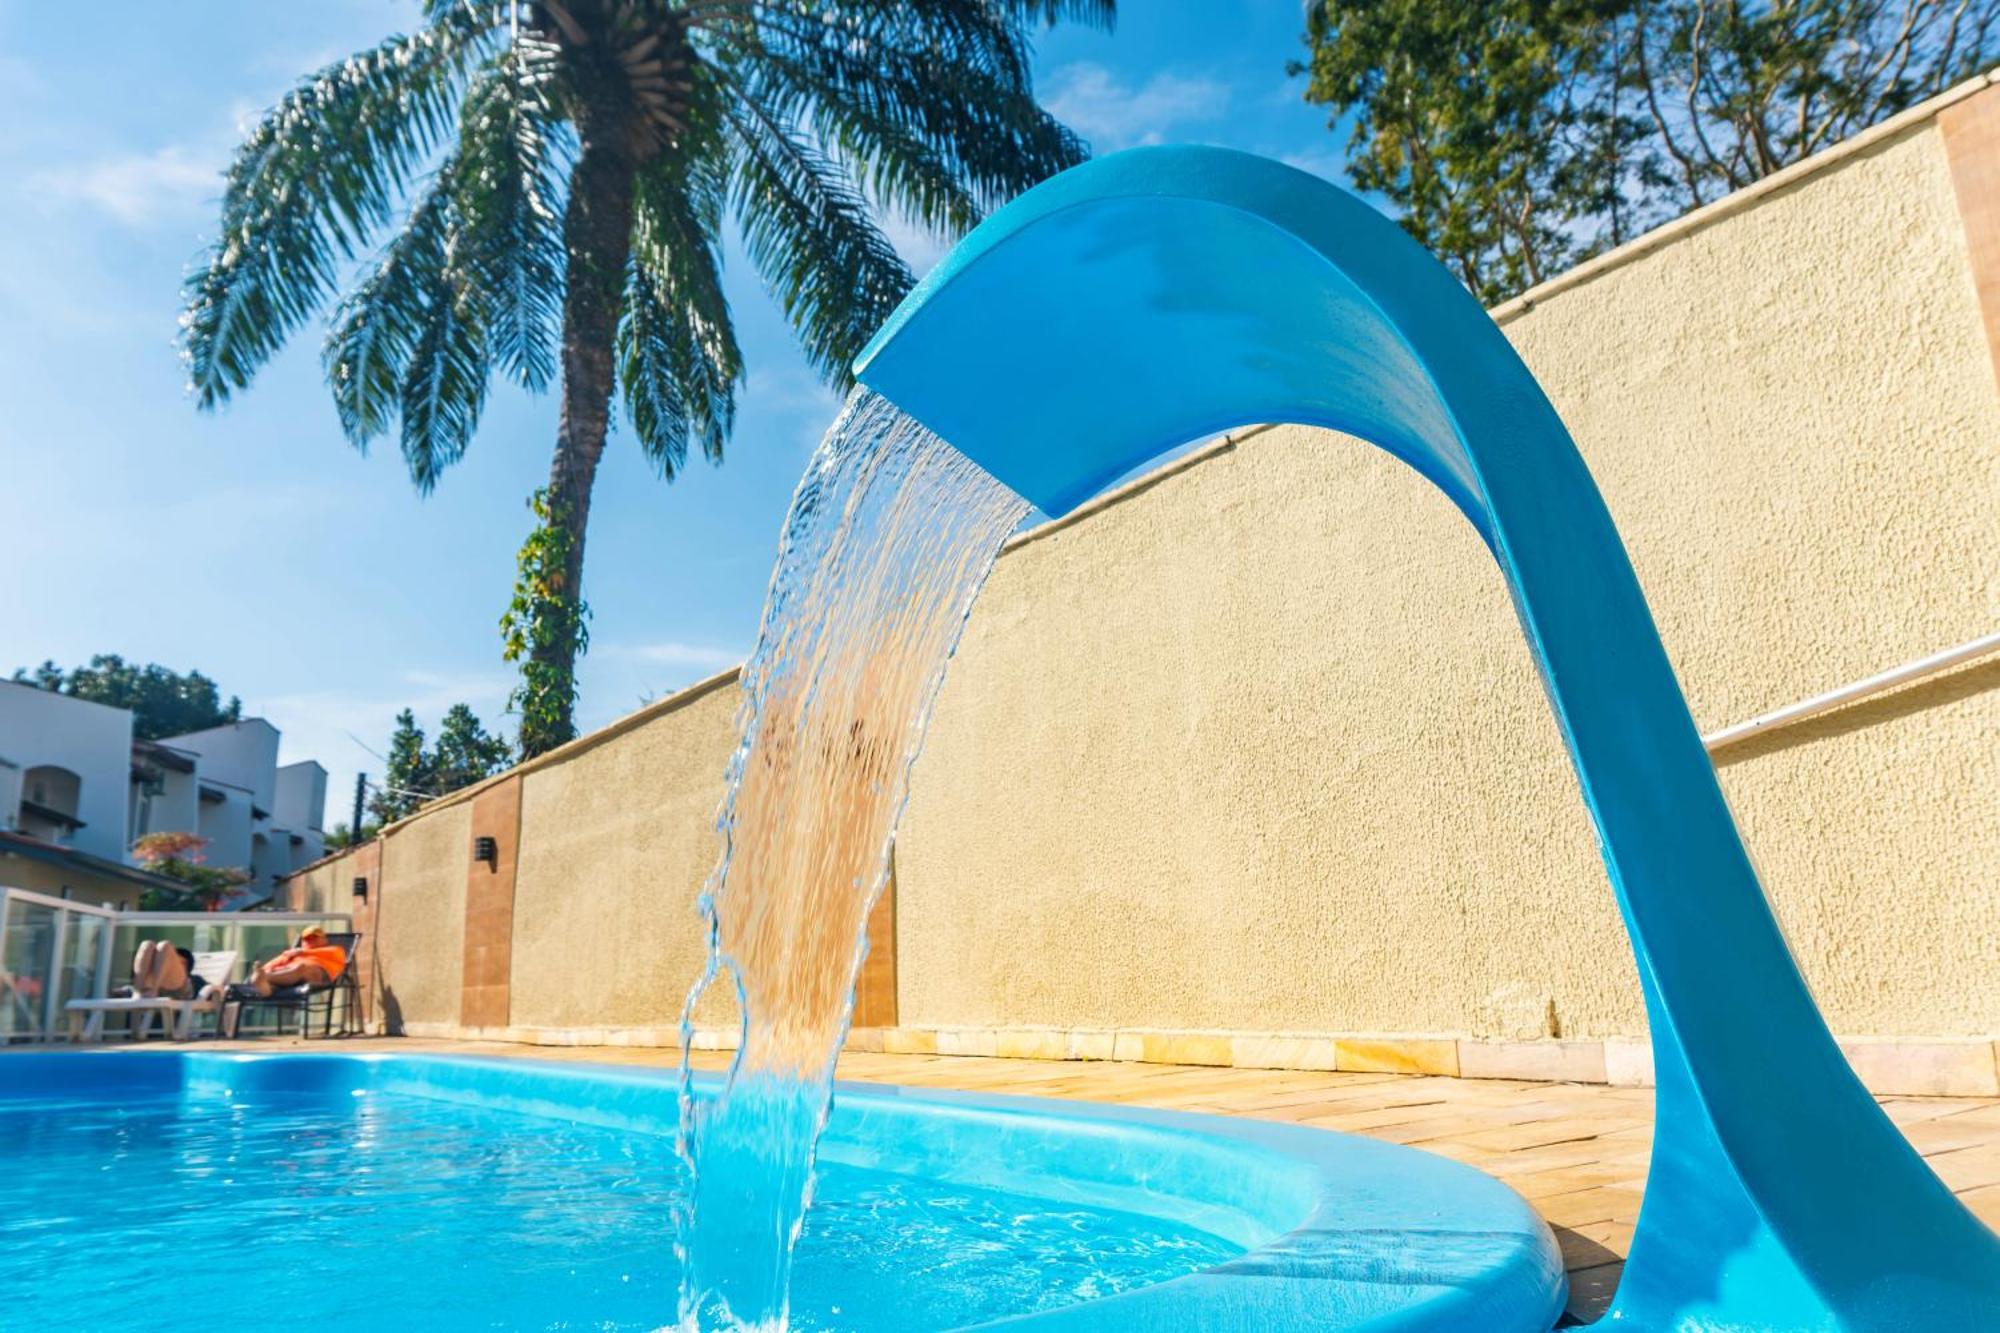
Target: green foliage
474, 278
463, 754
180, 856
1517, 137
556, 180
320, 174
163, 702
340, 836
546, 628
678, 362
406, 784
767, 112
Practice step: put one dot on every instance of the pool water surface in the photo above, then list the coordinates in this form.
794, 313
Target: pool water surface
406, 1211
389, 1191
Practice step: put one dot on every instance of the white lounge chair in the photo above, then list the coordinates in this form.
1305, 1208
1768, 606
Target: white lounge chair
177, 1017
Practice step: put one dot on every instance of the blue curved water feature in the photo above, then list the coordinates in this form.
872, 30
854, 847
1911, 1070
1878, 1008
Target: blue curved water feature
1156, 296
443, 1193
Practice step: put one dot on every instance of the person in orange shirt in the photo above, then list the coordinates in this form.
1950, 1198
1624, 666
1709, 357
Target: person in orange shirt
314, 961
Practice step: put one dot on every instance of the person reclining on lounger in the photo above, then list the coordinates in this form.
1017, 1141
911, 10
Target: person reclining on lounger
314, 961
162, 969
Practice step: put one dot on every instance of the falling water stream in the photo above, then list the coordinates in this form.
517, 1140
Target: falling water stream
889, 537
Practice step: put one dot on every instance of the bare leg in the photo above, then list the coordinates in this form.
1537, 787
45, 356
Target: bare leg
173, 973
146, 966
295, 975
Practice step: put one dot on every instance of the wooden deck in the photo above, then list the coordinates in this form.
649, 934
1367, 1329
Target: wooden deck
1576, 1152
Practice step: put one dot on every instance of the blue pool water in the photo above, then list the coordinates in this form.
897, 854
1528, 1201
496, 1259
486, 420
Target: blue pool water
413, 1212
436, 1193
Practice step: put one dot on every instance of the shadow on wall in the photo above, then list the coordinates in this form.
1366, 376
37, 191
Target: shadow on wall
392, 1011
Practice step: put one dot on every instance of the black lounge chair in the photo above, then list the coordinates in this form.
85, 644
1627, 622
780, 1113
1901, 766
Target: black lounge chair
305, 999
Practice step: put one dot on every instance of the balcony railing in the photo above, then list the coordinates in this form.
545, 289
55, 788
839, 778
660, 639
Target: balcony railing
53, 951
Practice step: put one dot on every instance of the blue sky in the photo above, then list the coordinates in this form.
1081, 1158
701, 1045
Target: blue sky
254, 544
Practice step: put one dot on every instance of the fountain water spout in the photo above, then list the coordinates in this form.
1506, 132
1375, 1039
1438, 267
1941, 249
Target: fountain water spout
1156, 296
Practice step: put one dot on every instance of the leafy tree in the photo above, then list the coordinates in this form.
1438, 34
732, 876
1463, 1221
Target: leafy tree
586, 157
463, 754
181, 856
1516, 137
340, 836
407, 783
163, 702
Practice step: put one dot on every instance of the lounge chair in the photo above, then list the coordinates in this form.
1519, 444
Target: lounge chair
305, 998
177, 1017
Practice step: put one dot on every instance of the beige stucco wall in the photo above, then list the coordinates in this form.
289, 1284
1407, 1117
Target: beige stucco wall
616, 844
1257, 746
320, 887
1260, 747
420, 919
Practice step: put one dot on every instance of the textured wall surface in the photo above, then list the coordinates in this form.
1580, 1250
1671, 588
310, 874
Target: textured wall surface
318, 887
1257, 746
420, 918
1261, 748
615, 845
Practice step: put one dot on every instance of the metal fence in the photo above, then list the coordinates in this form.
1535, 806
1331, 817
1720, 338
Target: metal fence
53, 950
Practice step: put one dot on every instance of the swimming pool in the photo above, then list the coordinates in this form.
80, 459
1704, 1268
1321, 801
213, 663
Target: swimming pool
460, 1193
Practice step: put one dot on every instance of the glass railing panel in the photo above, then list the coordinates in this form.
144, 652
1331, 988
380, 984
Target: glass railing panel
83, 941
53, 951
27, 966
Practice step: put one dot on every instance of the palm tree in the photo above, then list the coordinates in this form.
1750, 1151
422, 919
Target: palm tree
558, 175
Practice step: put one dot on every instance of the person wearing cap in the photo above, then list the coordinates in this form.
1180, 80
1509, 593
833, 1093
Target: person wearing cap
313, 961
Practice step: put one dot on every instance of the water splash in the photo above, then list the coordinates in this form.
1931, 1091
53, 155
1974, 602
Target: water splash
890, 535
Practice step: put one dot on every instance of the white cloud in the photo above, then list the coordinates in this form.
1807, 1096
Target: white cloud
790, 389
920, 247
246, 116
794, 401
700, 656
1094, 102
137, 189
1325, 162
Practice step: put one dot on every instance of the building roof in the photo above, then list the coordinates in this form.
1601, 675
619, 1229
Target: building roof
66, 698
166, 756
212, 794
49, 853
239, 724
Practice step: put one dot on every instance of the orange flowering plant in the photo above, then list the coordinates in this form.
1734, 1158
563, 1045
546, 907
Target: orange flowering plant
180, 856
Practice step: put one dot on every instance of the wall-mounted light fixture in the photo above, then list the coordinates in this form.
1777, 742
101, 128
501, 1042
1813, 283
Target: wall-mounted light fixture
361, 887
487, 850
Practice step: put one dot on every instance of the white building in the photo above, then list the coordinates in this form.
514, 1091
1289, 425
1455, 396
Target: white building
68, 770
73, 779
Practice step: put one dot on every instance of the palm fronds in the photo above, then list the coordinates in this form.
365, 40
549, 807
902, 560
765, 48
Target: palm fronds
317, 177
472, 282
508, 190
559, 175
809, 232
678, 363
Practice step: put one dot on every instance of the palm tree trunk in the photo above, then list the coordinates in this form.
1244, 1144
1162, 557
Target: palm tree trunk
598, 233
